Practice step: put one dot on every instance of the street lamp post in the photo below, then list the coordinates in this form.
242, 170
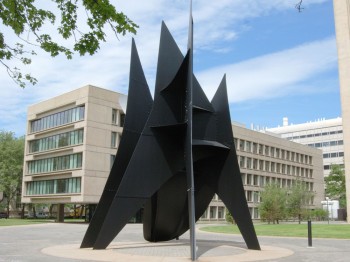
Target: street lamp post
327, 198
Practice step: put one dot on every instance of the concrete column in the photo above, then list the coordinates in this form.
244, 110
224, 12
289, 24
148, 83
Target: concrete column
342, 26
60, 213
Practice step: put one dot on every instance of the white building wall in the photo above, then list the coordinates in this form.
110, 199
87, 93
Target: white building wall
326, 135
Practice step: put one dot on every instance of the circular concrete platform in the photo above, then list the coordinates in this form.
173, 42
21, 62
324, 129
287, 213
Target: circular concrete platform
168, 252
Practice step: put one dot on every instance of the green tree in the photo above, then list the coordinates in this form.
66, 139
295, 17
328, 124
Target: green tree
335, 185
272, 207
30, 24
11, 166
229, 218
298, 199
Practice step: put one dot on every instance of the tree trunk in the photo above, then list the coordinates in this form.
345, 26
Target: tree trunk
82, 207
22, 212
8, 208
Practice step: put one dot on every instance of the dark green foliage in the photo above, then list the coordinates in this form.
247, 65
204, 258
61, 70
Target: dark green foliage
282, 203
27, 21
335, 185
11, 166
298, 199
272, 207
229, 217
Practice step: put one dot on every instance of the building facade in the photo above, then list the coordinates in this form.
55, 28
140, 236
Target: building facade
267, 158
342, 29
70, 144
72, 140
326, 135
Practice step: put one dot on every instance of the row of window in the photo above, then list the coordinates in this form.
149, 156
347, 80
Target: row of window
61, 140
214, 212
269, 166
334, 154
115, 139
261, 181
252, 147
328, 167
315, 135
57, 186
55, 164
118, 118
329, 143
58, 119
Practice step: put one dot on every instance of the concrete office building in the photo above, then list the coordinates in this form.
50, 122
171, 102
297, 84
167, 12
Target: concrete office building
70, 144
72, 139
342, 26
326, 135
267, 158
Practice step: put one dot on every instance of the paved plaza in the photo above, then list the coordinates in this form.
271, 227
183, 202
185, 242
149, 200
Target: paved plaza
60, 242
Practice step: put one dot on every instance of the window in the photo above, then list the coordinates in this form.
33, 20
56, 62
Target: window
241, 145
122, 120
267, 150
273, 167
242, 162
256, 196
213, 212
324, 144
114, 139
112, 159
248, 146
278, 168
221, 212
255, 180
283, 169
261, 165
277, 152
261, 149
243, 178
262, 181
255, 148
333, 143
249, 162
58, 119
288, 155
53, 164
249, 196
114, 116
255, 164
249, 179
57, 186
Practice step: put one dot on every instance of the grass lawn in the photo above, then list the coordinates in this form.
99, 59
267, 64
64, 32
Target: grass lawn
341, 231
19, 222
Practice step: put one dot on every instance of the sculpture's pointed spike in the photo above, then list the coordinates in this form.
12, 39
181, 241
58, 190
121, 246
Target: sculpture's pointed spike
138, 109
169, 60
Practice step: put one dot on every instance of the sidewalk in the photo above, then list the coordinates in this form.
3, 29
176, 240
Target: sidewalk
60, 242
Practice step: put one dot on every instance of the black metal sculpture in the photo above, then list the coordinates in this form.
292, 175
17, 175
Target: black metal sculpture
176, 152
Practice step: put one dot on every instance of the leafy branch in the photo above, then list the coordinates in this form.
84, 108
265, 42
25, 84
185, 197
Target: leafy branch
26, 21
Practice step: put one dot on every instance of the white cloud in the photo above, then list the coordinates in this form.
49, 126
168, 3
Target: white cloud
216, 23
273, 74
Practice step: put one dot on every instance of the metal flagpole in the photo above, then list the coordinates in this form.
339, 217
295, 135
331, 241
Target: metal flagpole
189, 156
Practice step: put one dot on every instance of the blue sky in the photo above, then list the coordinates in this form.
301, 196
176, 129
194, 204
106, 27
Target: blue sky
279, 62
